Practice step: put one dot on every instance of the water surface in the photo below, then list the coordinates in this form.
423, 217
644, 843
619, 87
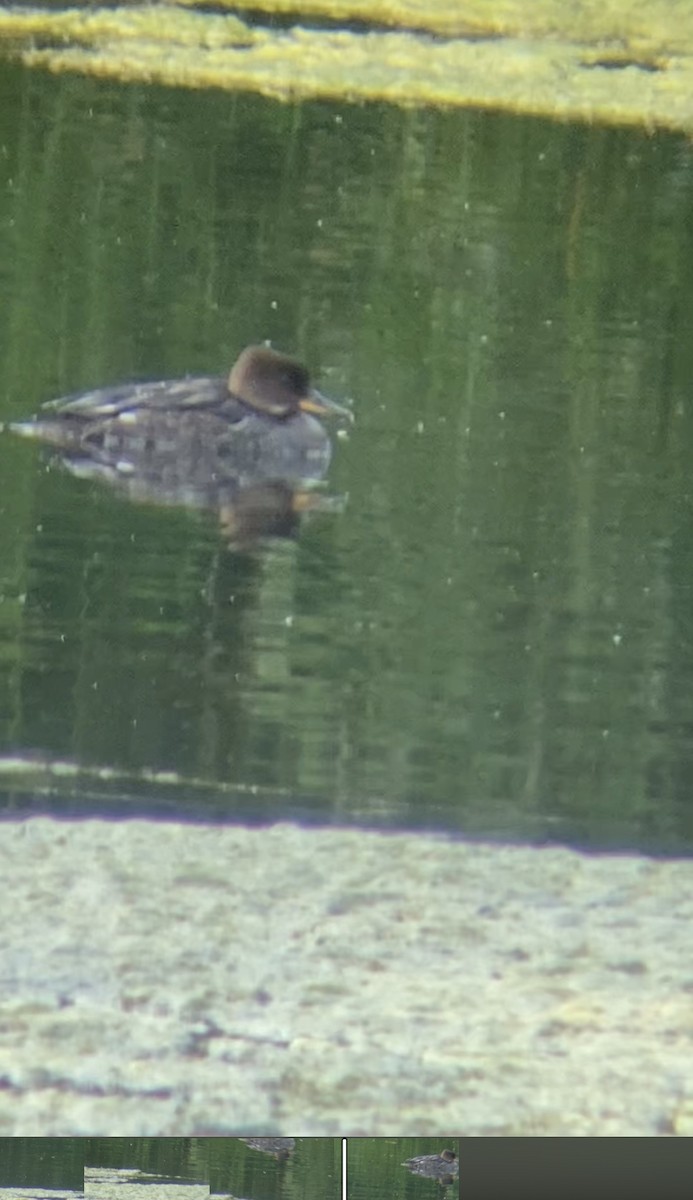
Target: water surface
135, 1168
494, 637
375, 1168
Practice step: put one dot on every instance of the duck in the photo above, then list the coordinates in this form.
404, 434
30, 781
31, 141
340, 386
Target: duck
197, 440
280, 1147
443, 1166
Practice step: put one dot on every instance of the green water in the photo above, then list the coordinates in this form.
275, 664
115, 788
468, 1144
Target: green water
375, 1167
495, 635
144, 1166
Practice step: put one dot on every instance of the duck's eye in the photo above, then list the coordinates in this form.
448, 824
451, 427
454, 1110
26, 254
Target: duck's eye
294, 379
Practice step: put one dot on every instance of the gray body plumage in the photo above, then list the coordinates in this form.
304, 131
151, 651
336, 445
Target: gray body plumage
187, 441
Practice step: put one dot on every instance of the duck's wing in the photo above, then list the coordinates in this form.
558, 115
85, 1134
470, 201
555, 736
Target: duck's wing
201, 393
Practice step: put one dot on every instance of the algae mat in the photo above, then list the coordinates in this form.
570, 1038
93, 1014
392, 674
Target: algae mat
640, 73
160, 976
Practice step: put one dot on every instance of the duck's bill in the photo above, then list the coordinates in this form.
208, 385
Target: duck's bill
316, 403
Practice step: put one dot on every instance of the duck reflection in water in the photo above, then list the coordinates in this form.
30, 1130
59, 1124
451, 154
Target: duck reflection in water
280, 1147
249, 447
443, 1167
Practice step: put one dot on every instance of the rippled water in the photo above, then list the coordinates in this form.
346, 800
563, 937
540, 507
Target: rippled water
494, 635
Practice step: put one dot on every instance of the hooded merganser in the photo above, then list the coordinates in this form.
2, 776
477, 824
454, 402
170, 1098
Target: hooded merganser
199, 440
443, 1166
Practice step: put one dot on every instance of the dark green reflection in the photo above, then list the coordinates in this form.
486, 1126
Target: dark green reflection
311, 1171
165, 1158
47, 1163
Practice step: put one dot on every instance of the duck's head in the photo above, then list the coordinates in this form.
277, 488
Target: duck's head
274, 384
448, 1155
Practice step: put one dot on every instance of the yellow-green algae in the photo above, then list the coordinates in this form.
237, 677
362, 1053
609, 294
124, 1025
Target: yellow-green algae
107, 26
654, 25
613, 82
